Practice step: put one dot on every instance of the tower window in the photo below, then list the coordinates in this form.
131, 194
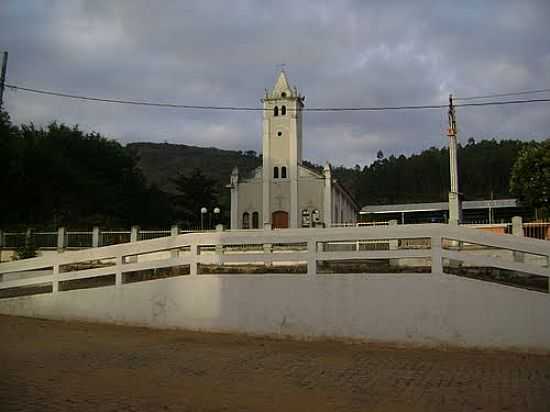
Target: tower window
246, 220
275, 172
283, 94
255, 220
283, 110
283, 172
279, 133
275, 111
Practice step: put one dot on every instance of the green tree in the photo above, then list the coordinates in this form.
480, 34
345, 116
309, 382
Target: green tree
194, 191
59, 175
530, 179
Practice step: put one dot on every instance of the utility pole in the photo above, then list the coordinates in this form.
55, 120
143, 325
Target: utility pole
455, 197
3, 78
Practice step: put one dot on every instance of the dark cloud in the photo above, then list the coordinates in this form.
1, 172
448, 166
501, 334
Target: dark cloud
346, 53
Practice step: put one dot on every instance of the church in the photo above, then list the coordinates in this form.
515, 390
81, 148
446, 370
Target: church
283, 193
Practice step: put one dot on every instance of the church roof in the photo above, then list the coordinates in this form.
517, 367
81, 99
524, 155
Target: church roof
282, 89
282, 85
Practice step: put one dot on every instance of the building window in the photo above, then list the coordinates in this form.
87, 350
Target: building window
275, 172
255, 220
283, 94
276, 111
279, 133
283, 110
283, 172
246, 220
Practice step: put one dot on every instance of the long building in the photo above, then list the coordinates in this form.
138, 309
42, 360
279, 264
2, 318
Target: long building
474, 211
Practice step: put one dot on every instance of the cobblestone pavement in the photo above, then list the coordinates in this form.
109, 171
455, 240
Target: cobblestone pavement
62, 366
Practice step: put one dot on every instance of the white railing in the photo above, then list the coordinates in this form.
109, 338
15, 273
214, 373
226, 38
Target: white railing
436, 249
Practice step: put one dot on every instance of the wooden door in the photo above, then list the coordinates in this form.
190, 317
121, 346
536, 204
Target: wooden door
279, 219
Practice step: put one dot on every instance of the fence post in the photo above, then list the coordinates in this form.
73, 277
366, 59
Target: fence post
219, 246
174, 231
194, 257
517, 226
95, 236
311, 257
55, 280
268, 250
517, 230
134, 233
437, 264
393, 244
118, 270
1, 248
61, 243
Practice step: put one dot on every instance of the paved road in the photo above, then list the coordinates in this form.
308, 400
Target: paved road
59, 366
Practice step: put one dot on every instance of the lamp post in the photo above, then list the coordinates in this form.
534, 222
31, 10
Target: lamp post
203, 212
216, 215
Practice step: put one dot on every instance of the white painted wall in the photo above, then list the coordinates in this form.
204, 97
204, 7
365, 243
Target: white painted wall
419, 309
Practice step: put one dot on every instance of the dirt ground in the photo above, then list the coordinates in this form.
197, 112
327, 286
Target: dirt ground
62, 366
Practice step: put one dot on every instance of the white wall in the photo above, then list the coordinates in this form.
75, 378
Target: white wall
415, 308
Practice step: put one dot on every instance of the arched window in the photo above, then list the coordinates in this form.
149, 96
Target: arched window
275, 172
255, 220
246, 220
283, 172
276, 111
283, 110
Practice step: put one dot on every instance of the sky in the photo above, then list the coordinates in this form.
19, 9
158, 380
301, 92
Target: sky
337, 53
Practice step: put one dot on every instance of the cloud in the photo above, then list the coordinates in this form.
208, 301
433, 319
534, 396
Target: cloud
349, 53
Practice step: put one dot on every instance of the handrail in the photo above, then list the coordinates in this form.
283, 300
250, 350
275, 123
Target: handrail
391, 234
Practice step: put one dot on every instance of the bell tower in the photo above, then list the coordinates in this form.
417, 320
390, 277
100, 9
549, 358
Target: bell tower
282, 148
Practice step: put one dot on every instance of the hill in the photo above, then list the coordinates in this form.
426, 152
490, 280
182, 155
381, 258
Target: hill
160, 162
485, 170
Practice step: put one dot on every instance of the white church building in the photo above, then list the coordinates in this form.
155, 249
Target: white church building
283, 193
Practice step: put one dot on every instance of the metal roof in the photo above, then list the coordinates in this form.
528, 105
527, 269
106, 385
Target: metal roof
439, 206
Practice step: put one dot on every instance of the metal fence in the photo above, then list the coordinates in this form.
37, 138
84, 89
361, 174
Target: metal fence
537, 230
84, 239
74, 240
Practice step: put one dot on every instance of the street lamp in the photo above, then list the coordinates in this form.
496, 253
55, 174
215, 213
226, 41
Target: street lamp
216, 215
203, 212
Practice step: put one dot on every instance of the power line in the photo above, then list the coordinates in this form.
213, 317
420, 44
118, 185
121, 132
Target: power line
488, 96
248, 108
132, 102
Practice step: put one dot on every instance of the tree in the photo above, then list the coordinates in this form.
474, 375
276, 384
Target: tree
60, 175
530, 179
194, 191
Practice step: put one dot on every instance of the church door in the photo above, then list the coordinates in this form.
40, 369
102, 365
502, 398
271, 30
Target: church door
279, 219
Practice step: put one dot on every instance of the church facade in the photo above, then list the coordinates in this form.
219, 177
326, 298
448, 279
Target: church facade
283, 193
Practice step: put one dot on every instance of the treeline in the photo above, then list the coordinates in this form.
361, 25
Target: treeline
485, 169
59, 175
